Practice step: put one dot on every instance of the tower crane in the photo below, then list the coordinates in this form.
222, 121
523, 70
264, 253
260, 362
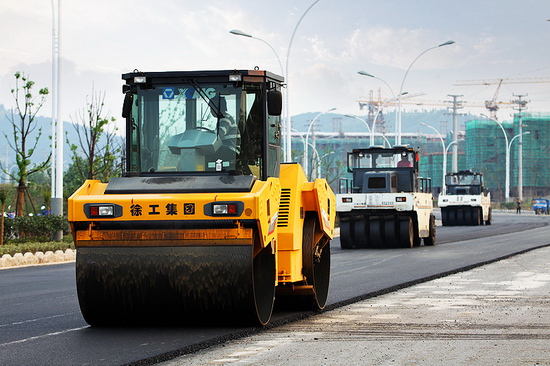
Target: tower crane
492, 105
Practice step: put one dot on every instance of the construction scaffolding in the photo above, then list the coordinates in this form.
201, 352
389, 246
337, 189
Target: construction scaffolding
536, 150
481, 148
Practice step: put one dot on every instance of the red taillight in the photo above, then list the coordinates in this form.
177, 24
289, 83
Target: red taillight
94, 210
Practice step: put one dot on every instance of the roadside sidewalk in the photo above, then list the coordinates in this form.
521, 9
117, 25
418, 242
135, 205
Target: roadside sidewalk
495, 314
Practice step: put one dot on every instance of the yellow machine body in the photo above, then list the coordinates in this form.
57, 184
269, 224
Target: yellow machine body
205, 222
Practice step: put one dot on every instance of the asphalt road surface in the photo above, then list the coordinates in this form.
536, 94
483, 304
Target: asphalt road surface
40, 321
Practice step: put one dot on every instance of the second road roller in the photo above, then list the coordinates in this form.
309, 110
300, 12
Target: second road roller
205, 222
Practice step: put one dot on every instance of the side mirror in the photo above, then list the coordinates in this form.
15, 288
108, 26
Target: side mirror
127, 106
274, 102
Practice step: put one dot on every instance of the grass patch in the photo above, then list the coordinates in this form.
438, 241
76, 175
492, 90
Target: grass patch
28, 245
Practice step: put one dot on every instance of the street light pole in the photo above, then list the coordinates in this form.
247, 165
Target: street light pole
520, 165
521, 105
380, 109
443, 187
364, 73
57, 122
444, 154
306, 154
320, 160
507, 177
398, 124
371, 133
243, 34
287, 143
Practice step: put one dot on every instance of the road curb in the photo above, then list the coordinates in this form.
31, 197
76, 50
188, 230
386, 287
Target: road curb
38, 258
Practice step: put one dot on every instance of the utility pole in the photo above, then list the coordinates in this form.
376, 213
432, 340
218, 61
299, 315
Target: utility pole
521, 106
456, 106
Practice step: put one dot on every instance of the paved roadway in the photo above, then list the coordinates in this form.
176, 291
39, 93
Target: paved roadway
497, 314
40, 322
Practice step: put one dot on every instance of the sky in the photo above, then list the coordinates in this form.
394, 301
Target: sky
102, 39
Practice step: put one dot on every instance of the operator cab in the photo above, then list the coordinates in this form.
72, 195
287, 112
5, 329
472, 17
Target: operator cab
380, 170
203, 123
464, 182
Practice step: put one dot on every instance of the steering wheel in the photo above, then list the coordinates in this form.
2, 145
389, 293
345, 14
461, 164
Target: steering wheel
204, 129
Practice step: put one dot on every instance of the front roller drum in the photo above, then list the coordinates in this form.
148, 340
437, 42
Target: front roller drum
189, 284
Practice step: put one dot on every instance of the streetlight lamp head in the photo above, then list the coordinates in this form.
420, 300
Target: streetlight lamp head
446, 43
332, 109
364, 73
240, 33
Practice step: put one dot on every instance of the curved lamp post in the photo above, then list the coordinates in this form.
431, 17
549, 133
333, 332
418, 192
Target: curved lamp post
56, 201
364, 73
398, 127
371, 131
304, 144
444, 154
507, 167
243, 34
378, 113
520, 135
287, 123
288, 156
306, 153
319, 161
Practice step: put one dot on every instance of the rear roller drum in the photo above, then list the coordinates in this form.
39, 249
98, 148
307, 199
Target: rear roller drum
316, 262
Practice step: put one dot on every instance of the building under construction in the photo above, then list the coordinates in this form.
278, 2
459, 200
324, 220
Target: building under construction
486, 153
481, 148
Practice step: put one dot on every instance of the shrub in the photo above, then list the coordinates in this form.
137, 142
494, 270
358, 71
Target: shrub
34, 228
34, 247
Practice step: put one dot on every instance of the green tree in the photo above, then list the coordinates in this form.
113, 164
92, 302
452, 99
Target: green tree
3, 198
24, 125
96, 154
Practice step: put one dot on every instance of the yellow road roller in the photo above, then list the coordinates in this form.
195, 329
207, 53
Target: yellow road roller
206, 222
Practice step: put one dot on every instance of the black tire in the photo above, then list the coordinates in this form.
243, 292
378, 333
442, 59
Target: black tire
430, 240
444, 217
360, 233
489, 217
476, 216
390, 234
452, 217
406, 233
375, 237
345, 235
460, 217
